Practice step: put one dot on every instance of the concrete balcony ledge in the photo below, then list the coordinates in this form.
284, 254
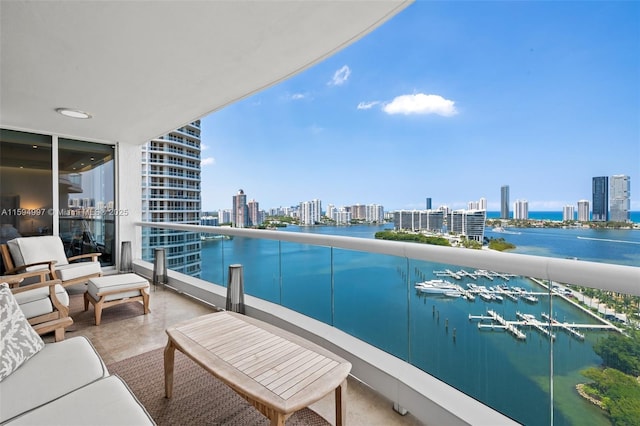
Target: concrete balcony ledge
425, 397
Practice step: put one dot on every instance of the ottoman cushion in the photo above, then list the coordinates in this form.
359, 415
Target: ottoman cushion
116, 282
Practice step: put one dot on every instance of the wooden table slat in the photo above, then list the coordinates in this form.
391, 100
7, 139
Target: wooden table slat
262, 355
284, 365
295, 374
245, 339
250, 352
272, 361
287, 393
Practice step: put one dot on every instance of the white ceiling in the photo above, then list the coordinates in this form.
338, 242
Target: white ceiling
144, 68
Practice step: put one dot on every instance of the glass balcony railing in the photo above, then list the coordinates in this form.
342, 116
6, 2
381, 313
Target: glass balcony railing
515, 332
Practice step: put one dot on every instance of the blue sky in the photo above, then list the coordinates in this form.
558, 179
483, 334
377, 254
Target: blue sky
448, 100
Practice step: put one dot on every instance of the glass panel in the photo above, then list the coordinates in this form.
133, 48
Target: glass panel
306, 280
371, 299
26, 201
86, 191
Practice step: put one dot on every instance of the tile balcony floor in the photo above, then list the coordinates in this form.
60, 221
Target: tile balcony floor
125, 332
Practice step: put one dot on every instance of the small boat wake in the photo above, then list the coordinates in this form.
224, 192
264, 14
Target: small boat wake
609, 240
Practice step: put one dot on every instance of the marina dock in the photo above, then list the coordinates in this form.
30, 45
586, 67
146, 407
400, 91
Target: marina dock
498, 323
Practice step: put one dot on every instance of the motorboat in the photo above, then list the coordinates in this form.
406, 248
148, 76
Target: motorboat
436, 286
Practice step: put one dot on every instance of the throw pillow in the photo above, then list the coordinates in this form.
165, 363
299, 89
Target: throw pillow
18, 340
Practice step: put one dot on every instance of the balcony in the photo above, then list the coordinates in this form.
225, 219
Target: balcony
118, 339
413, 350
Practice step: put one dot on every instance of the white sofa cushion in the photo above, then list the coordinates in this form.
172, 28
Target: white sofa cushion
36, 302
18, 340
106, 402
27, 250
59, 368
116, 282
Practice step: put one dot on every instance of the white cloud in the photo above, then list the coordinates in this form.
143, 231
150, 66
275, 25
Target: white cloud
203, 147
367, 105
419, 103
297, 96
340, 76
207, 161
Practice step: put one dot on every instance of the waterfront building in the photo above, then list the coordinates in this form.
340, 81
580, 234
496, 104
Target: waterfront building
504, 202
419, 220
583, 211
254, 216
239, 212
171, 193
342, 216
600, 199
358, 211
569, 213
310, 212
224, 216
374, 213
620, 200
521, 209
468, 223
482, 205
209, 221
331, 209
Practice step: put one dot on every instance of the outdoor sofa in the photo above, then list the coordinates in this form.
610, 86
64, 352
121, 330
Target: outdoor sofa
58, 383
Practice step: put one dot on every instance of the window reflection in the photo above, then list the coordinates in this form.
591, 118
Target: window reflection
26, 201
86, 198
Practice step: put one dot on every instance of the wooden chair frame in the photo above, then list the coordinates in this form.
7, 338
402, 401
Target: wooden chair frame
56, 321
50, 271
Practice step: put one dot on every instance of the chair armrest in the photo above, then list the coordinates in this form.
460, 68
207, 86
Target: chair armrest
48, 326
93, 256
50, 284
64, 310
12, 280
17, 269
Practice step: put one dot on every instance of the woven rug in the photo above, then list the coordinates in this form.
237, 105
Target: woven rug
198, 398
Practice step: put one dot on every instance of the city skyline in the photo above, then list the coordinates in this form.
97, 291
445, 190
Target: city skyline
445, 102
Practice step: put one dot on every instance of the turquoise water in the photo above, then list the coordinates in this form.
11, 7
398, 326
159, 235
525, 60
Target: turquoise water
372, 297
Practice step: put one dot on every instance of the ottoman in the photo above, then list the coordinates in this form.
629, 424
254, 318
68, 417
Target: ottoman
111, 290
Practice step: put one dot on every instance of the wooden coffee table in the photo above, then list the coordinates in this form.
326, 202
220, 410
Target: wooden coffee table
278, 372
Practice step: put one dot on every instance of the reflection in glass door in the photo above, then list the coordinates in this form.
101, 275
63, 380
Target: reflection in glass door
86, 198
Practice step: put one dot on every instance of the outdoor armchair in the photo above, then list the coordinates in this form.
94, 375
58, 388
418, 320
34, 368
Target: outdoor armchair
46, 307
29, 253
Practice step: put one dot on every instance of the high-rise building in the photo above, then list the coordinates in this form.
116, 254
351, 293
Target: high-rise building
310, 212
470, 223
428, 206
171, 193
569, 213
504, 202
620, 200
240, 211
583, 211
253, 209
521, 209
375, 213
417, 220
600, 204
482, 205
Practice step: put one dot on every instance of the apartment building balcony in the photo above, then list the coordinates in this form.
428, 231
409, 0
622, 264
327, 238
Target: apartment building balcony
132, 101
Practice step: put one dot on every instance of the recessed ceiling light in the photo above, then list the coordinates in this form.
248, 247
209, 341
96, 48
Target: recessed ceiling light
73, 113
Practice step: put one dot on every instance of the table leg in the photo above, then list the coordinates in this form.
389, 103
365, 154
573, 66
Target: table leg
278, 419
169, 355
341, 404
